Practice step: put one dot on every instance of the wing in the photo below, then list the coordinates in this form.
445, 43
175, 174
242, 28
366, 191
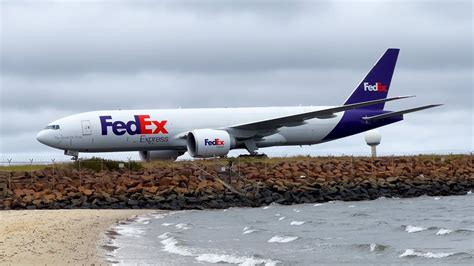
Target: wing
390, 114
269, 126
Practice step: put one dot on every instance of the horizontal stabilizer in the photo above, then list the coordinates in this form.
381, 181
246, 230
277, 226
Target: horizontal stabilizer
386, 115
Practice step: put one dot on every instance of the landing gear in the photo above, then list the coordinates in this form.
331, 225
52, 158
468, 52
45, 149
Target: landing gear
252, 148
74, 154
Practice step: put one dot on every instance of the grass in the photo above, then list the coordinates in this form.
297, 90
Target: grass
95, 163
28, 167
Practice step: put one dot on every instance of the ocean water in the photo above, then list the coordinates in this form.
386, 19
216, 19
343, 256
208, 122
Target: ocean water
424, 230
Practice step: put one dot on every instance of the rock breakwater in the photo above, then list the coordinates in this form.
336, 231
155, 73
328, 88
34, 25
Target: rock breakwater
232, 183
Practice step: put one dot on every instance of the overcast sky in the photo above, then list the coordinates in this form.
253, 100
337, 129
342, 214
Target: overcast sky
60, 58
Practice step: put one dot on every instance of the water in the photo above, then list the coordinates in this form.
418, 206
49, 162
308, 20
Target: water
424, 230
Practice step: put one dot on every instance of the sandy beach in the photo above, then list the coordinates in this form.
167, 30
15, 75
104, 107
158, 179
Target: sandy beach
57, 237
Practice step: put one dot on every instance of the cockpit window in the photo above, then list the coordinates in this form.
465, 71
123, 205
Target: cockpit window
54, 127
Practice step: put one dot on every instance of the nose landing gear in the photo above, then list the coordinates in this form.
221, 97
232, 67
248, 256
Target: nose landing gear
74, 154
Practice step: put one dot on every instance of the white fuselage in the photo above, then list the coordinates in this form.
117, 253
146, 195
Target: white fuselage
84, 132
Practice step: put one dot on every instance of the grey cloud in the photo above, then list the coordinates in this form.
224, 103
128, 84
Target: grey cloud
276, 88
63, 41
60, 58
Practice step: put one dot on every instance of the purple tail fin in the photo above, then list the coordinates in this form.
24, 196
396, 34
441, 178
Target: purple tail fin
377, 82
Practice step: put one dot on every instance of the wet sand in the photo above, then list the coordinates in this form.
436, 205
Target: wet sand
58, 237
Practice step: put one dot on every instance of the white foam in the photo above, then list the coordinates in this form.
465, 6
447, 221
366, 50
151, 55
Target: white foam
266, 207
282, 239
351, 206
372, 247
414, 229
219, 258
182, 226
164, 235
318, 204
437, 198
170, 246
413, 253
129, 230
297, 222
277, 214
167, 224
143, 220
443, 231
158, 216
248, 231
281, 218
469, 192
296, 210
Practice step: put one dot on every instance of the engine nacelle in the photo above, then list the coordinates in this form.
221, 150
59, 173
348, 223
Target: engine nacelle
205, 143
159, 155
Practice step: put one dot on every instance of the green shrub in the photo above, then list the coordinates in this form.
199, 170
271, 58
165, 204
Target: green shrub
97, 164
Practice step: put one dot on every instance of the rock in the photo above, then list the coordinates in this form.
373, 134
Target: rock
147, 177
132, 202
87, 192
152, 189
175, 186
164, 182
392, 179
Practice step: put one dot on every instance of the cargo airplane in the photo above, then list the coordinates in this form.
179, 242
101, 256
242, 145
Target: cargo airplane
213, 132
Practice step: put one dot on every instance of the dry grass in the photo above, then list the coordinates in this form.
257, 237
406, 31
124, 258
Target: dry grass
25, 167
225, 161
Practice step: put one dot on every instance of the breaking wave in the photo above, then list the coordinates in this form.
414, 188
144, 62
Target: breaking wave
182, 226
219, 258
297, 223
127, 230
171, 245
167, 224
444, 231
282, 239
142, 220
414, 229
373, 247
248, 230
431, 255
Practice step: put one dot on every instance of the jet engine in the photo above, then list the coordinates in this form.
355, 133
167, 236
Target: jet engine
204, 143
159, 155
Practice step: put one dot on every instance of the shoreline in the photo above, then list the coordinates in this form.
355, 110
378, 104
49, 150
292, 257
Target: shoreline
55, 237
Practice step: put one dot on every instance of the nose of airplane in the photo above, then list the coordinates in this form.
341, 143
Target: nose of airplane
47, 138
42, 137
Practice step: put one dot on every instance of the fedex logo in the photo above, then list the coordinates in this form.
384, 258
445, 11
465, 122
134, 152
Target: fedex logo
215, 142
141, 125
378, 87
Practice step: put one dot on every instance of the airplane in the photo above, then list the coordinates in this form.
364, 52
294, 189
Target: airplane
161, 134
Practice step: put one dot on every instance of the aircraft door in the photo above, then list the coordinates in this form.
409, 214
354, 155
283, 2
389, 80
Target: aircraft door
86, 127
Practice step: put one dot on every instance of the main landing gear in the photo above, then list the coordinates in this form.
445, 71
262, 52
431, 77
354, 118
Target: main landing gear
252, 148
